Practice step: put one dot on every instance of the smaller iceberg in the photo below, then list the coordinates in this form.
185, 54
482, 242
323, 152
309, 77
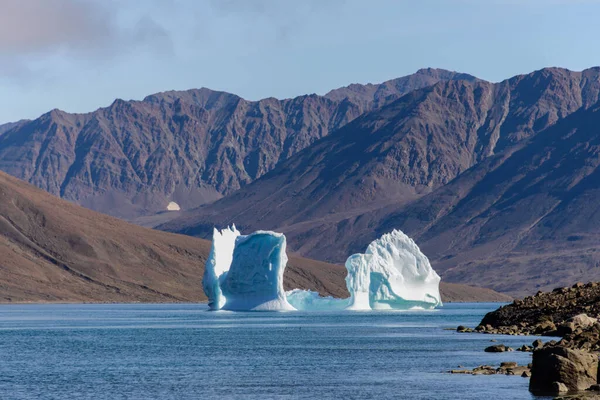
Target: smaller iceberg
308, 300
393, 274
245, 272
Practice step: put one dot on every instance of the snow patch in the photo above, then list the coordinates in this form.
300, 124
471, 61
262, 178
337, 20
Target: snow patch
172, 206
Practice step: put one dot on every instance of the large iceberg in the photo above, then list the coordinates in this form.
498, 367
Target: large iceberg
245, 272
392, 274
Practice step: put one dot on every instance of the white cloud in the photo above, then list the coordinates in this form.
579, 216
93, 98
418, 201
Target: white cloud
77, 30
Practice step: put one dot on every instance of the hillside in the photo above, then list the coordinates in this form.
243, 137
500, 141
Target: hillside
525, 220
11, 125
191, 147
54, 251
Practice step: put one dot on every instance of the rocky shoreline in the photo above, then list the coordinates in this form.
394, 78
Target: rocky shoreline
505, 368
565, 366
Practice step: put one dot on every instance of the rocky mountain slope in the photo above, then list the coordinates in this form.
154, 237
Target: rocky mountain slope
54, 251
369, 177
524, 220
11, 125
132, 158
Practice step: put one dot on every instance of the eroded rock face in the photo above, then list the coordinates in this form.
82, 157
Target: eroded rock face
552, 366
191, 147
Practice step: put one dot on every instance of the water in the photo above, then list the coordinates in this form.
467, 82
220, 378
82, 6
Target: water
185, 352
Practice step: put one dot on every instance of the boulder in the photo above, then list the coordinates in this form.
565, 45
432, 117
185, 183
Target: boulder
508, 364
580, 321
559, 387
594, 388
544, 327
497, 348
460, 371
553, 366
583, 321
525, 348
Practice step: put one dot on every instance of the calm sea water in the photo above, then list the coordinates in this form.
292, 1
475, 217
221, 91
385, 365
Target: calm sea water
186, 352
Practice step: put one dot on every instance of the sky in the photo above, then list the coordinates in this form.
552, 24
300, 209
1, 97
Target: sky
79, 55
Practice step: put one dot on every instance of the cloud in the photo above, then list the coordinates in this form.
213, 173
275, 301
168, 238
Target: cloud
78, 30
39, 25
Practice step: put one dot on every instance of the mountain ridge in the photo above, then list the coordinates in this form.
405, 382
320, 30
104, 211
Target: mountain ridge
132, 158
447, 129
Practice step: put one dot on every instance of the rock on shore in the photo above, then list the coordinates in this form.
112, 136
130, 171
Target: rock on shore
548, 314
555, 366
568, 366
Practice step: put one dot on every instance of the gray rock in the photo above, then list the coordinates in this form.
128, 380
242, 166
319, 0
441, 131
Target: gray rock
497, 348
508, 364
576, 370
594, 388
559, 387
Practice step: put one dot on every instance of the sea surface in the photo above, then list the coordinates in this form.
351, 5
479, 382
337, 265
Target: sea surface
183, 351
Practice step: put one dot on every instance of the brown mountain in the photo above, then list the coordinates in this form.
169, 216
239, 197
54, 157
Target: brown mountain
53, 250
134, 157
522, 221
11, 125
334, 197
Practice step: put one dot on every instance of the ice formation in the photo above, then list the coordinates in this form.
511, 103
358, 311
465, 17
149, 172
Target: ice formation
392, 274
245, 272
307, 300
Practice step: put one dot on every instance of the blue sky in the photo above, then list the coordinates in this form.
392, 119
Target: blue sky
78, 55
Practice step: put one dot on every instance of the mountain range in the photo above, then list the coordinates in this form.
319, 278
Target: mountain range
394, 166
495, 181
133, 158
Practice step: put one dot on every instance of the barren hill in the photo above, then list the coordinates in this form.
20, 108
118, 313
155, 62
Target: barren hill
54, 251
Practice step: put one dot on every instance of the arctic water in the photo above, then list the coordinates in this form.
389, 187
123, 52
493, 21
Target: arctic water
183, 351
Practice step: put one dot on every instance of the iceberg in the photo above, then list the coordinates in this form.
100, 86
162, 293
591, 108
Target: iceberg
307, 300
218, 264
393, 274
245, 272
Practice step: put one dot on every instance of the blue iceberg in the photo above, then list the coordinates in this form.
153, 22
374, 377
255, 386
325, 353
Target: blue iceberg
393, 274
245, 272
